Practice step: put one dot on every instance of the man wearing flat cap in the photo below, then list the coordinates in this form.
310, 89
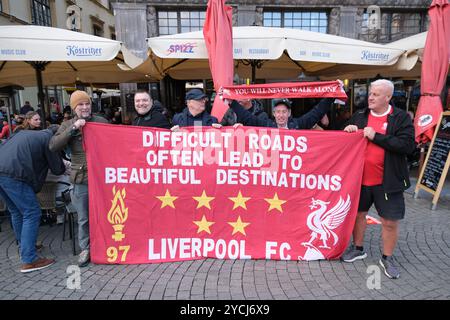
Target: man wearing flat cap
70, 134
194, 114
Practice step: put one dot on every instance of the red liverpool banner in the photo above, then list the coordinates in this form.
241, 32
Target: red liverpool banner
322, 89
246, 193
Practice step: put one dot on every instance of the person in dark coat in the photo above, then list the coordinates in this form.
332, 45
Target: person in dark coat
252, 106
26, 108
147, 114
165, 111
194, 114
25, 159
281, 111
390, 132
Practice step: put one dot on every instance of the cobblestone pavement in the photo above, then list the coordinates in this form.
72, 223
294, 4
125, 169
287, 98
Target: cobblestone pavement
423, 252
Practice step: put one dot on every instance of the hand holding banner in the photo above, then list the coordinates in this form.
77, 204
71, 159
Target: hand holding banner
323, 89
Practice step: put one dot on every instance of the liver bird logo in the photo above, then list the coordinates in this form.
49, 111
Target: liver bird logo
322, 221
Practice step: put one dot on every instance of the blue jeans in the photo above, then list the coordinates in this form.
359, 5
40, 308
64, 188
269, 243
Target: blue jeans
25, 215
80, 200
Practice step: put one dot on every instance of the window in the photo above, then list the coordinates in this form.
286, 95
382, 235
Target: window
394, 26
97, 30
306, 20
171, 22
97, 26
1, 8
112, 31
40, 13
272, 19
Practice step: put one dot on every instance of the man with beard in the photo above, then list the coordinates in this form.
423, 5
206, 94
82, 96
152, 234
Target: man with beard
70, 135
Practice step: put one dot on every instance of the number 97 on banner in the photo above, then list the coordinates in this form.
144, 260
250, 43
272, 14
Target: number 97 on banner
113, 253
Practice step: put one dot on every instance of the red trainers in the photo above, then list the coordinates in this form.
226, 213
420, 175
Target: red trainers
38, 264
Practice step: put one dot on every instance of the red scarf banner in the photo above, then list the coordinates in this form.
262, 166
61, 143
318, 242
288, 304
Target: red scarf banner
323, 89
246, 193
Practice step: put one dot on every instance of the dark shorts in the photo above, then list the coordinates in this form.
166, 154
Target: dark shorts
389, 206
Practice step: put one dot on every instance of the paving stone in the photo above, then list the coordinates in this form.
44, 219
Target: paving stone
423, 252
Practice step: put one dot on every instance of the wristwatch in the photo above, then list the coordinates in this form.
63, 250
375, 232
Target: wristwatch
73, 131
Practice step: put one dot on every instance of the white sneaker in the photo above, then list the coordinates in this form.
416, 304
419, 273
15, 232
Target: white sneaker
60, 219
84, 258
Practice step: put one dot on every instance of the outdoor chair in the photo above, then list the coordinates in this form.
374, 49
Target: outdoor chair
64, 205
47, 201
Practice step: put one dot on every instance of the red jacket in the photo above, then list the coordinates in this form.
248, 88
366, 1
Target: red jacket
5, 131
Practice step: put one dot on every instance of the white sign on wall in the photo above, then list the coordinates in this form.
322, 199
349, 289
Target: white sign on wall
73, 21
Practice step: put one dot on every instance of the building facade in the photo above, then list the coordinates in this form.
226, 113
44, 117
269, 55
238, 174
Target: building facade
88, 16
378, 21
348, 18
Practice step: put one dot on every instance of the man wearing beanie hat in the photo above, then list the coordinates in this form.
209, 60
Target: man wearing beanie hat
70, 135
78, 97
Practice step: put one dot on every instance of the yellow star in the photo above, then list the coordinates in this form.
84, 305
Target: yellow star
167, 200
204, 200
275, 203
239, 201
203, 225
239, 226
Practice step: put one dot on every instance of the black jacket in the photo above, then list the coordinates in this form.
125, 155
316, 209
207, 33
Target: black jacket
186, 119
25, 109
307, 121
26, 157
397, 143
256, 109
153, 118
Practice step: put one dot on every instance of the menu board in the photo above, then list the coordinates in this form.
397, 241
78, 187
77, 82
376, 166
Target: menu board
436, 164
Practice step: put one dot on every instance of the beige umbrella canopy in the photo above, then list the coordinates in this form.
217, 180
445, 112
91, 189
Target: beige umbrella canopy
66, 57
69, 72
35, 55
265, 53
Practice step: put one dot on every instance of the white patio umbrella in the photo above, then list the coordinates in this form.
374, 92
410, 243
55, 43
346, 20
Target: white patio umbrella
35, 55
408, 65
265, 53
